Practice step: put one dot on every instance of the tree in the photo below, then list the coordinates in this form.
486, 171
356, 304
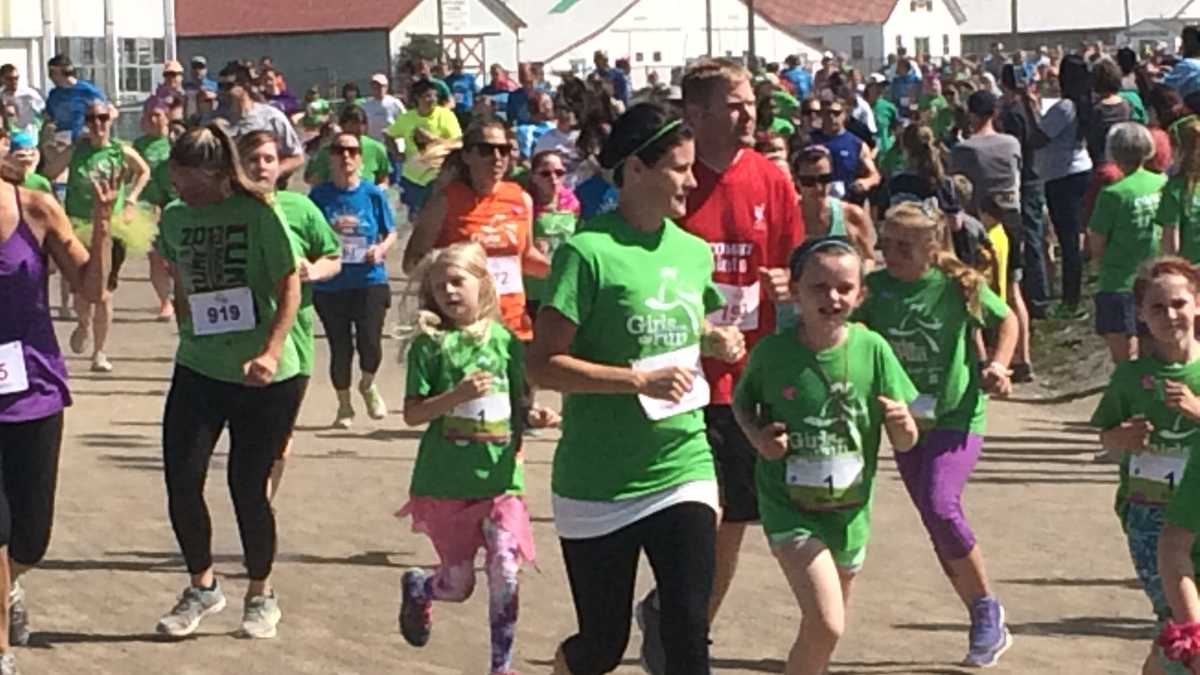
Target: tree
420, 47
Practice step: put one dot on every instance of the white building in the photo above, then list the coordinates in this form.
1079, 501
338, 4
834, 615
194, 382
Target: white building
126, 61
867, 31
655, 35
1063, 23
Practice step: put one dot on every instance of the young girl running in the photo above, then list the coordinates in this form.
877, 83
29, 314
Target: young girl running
1150, 412
814, 402
465, 379
1179, 208
928, 305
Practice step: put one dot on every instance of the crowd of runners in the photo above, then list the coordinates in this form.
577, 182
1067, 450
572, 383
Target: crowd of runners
739, 283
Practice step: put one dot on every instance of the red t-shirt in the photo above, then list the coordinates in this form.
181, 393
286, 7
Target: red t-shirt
750, 218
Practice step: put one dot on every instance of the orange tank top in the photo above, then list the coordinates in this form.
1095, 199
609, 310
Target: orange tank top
501, 223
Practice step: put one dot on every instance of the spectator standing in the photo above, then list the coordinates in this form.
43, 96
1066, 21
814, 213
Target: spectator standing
463, 88
69, 100
798, 75
26, 101
620, 81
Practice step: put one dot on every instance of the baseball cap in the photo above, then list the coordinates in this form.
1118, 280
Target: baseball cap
877, 78
982, 103
198, 59
172, 67
22, 141
380, 78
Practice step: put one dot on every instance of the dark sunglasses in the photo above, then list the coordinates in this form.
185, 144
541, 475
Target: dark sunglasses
226, 85
93, 117
351, 150
831, 111
490, 149
173, 73
811, 111
556, 173
813, 181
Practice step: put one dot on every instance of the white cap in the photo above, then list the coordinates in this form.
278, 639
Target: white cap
877, 78
380, 78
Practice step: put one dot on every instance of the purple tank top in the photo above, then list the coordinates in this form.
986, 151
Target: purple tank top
25, 317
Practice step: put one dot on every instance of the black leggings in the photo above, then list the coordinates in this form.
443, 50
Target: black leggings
680, 542
28, 477
260, 421
353, 318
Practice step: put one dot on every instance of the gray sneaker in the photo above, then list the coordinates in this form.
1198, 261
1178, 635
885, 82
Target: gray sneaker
18, 619
8, 664
261, 616
654, 659
194, 605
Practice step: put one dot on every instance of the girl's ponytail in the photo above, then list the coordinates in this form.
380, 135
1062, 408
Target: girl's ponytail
929, 219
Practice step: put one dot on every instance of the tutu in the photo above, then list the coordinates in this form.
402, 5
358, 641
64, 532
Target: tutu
453, 525
137, 231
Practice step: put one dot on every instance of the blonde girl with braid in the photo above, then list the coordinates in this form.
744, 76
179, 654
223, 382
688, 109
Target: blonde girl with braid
928, 305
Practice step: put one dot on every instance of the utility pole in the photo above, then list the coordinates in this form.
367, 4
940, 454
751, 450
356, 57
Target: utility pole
708, 26
751, 60
1015, 31
442, 34
1127, 23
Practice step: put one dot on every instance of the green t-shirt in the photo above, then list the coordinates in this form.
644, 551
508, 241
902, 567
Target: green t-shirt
315, 239
375, 162
470, 453
231, 246
828, 400
160, 191
885, 116
86, 160
1184, 509
550, 230
36, 181
781, 126
1178, 210
1137, 109
156, 151
633, 295
1158, 476
440, 123
1125, 213
930, 328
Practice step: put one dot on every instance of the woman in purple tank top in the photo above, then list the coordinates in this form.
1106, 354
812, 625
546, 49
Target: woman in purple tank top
33, 377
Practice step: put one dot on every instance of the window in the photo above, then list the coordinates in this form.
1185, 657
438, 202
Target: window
921, 45
926, 5
639, 57
139, 62
856, 47
658, 57
946, 44
87, 55
899, 42
140, 58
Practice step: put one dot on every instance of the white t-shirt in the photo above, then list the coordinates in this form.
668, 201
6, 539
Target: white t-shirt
580, 519
381, 114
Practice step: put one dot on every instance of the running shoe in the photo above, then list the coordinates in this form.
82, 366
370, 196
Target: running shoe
101, 364
194, 605
79, 339
261, 616
989, 634
1022, 373
1069, 313
416, 610
649, 619
18, 618
376, 408
345, 414
8, 664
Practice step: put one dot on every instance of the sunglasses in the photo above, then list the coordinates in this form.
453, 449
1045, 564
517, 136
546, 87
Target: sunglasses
102, 117
351, 150
555, 173
831, 111
226, 85
490, 149
173, 73
811, 111
813, 181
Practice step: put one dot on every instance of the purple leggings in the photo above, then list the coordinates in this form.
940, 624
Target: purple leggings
935, 473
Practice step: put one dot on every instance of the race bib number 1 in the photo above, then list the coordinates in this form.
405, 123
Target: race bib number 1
741, 306
220, 312
826, 482
481, 420
13, 378
506, 272
354, 249
688, 358
1153, 476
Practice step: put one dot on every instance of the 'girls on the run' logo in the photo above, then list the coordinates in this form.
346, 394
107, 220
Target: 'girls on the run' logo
673, 317
832, 430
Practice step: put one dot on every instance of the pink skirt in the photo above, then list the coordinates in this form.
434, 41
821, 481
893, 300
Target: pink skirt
455, 526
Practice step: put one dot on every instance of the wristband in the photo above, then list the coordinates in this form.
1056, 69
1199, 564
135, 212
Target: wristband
1180, 641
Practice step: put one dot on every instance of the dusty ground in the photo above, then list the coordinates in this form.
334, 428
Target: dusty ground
1041, 509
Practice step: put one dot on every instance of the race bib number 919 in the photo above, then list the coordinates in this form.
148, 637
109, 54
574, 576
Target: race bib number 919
220, 312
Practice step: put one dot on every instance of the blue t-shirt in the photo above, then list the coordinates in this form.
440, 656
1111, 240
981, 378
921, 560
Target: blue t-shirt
846, 152
529, 134
596, 196
463, 88
801, 80
620, 83
207, 84
517, 107
66, 106
361, 217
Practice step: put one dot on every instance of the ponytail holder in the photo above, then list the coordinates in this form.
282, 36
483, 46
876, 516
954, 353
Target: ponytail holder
654, 138
812, 246
1180, 642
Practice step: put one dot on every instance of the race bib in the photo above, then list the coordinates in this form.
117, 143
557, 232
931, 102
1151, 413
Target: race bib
506, 272
354, 249
13, 379
687, 358
826, 482
481, 420
220, 312
741, 307
1153, 476
924, 411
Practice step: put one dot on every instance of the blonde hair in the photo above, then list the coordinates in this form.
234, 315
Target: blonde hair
471, 258
924, 154
211, 148
702, 78
918, 218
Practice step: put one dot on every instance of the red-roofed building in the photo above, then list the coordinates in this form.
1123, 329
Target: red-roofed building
867, 31
332, 42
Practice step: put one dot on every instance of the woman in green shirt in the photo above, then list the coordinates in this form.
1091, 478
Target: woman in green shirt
620, 334
237, 292
154, 147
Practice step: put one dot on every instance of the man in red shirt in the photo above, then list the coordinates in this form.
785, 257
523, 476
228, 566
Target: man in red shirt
746, 208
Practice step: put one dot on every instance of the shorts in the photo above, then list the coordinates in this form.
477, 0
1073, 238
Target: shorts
414, 196
734, 458
1016, 249
848, 560
1117, 313
1143, 526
